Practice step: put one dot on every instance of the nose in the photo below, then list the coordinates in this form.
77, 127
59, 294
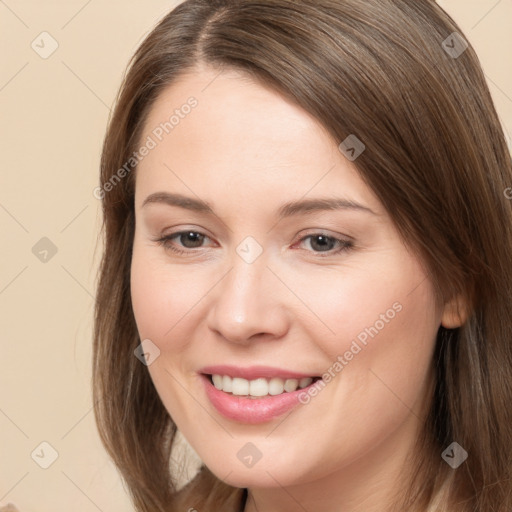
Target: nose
248, 304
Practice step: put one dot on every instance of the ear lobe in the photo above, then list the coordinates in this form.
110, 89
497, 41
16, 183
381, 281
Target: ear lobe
454, 313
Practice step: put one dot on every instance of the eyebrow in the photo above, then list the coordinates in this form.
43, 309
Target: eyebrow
298, 207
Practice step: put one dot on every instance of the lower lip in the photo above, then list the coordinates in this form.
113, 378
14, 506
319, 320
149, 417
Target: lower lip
251, 410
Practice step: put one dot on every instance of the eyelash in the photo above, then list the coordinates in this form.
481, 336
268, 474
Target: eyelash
344, 245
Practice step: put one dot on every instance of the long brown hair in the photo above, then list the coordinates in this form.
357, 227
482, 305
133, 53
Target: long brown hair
387, 72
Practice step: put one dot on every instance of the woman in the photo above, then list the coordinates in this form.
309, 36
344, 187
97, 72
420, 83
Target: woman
307, 263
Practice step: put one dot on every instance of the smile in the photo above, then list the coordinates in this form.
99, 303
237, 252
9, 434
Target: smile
255, 399
259, 387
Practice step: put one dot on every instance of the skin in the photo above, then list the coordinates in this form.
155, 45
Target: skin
247, 150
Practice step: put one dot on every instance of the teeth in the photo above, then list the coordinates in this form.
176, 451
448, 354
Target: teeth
217, 381
258, 387
227, 384
240, 386
291, 385
305, 381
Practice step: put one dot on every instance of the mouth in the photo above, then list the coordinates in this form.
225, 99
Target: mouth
259, 400
260, 387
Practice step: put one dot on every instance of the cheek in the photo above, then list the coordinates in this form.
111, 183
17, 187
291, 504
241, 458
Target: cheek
380, 357
389, 299
149, 299
163, 300
162, 296
382, 330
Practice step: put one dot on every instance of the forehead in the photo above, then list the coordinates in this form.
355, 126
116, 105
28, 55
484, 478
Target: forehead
239, 135
233, 111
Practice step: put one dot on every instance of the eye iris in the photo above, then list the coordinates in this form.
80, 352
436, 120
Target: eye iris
190, 236
326, 242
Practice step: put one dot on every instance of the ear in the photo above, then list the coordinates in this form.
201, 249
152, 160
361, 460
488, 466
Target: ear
455, 312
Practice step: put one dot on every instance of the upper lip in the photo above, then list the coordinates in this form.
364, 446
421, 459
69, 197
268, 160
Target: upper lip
253, 372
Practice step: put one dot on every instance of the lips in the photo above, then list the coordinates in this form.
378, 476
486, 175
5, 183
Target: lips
254, 409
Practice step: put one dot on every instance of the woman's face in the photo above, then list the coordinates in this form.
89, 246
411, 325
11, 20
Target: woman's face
273, 287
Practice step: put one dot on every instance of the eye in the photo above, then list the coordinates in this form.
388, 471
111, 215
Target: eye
322, 243
318, 242
189, 240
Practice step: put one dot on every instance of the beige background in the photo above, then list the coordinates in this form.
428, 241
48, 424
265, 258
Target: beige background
53, 116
